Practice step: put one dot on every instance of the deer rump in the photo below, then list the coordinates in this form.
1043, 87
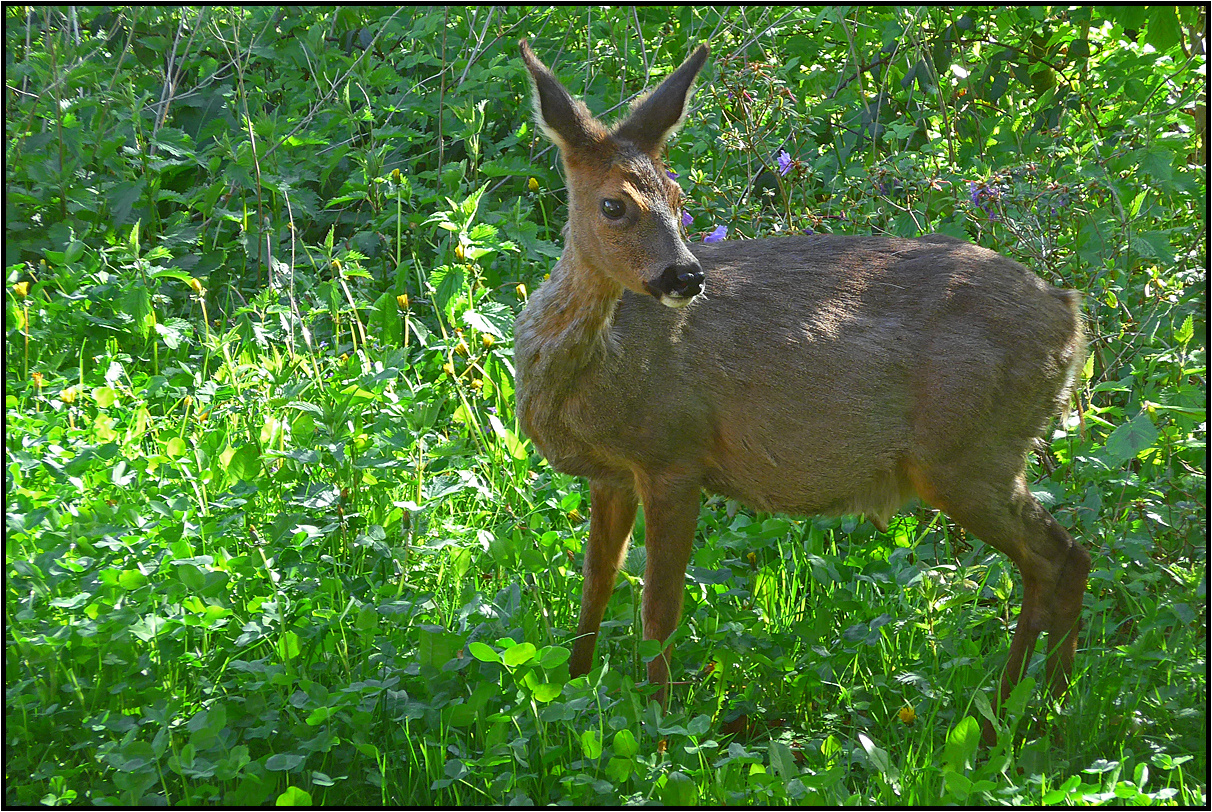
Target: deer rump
816, 374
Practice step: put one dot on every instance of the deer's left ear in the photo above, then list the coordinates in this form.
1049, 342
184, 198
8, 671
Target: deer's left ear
654, 117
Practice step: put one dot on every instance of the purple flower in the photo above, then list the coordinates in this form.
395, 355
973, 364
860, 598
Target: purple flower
672, 175
784, 161
974, 192
686, 219
718, 234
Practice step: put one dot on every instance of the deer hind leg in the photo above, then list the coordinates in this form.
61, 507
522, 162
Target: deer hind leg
612, 515
1053, 567
670, 517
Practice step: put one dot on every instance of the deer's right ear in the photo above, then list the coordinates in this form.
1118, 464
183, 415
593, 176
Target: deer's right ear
566, 121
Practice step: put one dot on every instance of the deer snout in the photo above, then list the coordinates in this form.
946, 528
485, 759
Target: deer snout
678, 284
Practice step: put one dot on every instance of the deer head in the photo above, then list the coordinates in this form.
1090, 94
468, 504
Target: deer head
623, 207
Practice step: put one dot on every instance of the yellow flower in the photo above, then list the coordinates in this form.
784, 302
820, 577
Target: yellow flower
752, 559
395, 175
336, 264
486, 340
533, 184
21, 289
37, 376
521, 289
68, 395
196, 284
459, 252
907, 714
402, 301
448, 368
461, 347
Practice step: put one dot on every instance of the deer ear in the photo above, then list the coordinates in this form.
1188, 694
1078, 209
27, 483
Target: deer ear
566, 121
654, 117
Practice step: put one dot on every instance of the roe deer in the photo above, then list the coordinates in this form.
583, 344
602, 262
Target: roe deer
806, 374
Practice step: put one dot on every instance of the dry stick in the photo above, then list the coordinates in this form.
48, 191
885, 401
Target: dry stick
29, 26
442, 92
294, 305
171, 80
476, 50
50, 47
100, 129
639, 34
761, 33
316, 107
166, 92
252, 145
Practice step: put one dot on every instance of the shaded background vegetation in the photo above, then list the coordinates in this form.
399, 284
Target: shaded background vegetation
272, 533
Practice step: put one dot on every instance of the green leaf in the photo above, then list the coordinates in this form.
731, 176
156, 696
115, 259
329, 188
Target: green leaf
283, 762
490, 317
518, 655
962, 741
449, 284
245, 463
625, 744
620, 769
471, 203
319, 715
509, 165
288, 647
553, 656
1183, 334
121, 200
679, 790
782, 761
591, 744
293, 796
1163, 32
483, 652
515, 447
878, 756
192, 577
105, 396
1130, 439
547, 691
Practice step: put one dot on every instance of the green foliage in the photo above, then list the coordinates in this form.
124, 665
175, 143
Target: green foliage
273, 534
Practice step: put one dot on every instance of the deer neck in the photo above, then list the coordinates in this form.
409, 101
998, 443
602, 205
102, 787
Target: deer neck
566, 324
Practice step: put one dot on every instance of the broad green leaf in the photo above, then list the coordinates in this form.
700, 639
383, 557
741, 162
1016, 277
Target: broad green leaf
782, 761
1183, 334
679, 790
449, 284
625, 743
553, 656
245, 463
483, 652
515, 447
591, 744
879, 757
962, 741
105, 396
518, 655
547, 691
283, 762
288, 646
1130, 439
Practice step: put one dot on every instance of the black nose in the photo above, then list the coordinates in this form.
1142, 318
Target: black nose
683, 280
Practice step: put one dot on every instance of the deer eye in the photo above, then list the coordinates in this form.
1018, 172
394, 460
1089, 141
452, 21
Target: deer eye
613, 209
